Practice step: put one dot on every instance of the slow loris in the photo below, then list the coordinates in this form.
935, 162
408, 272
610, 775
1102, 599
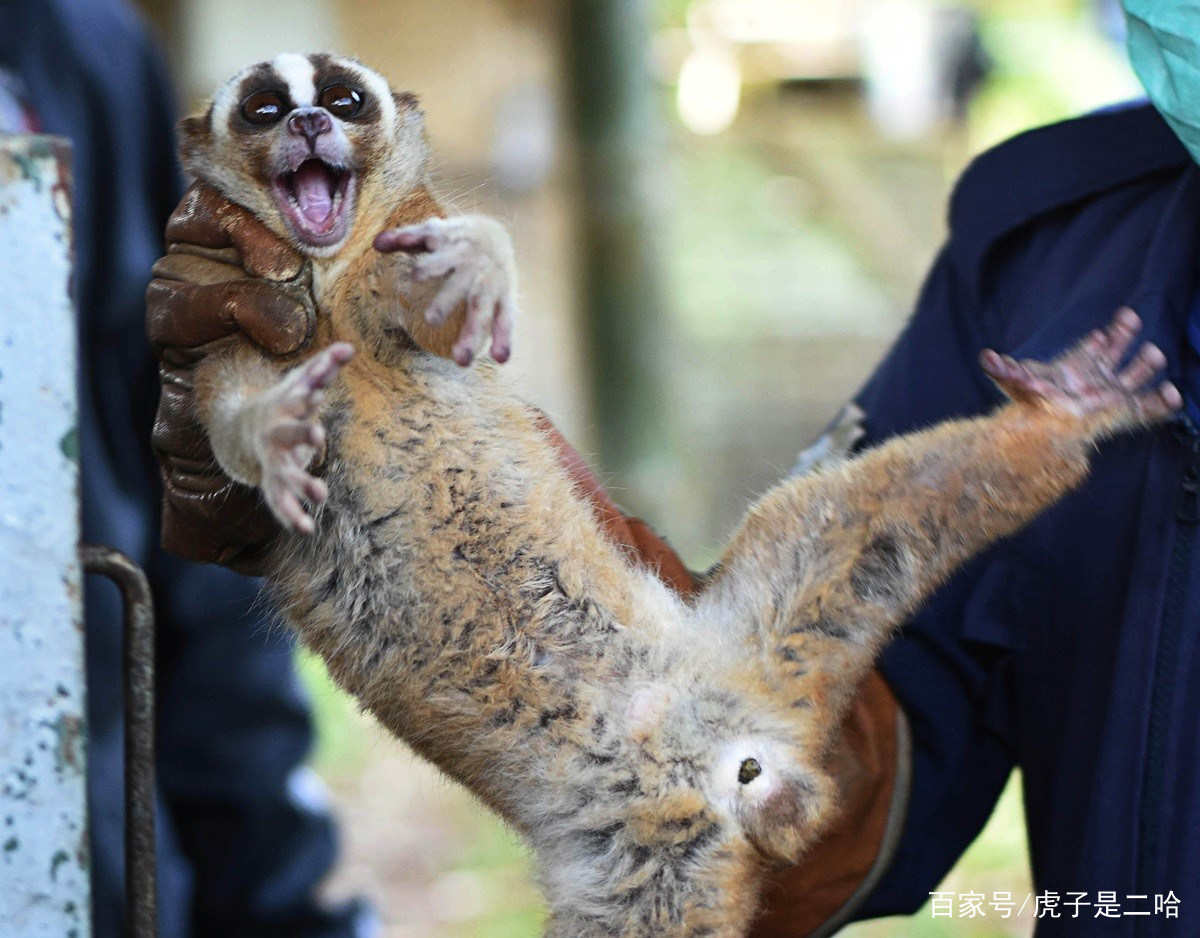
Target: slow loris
657, 754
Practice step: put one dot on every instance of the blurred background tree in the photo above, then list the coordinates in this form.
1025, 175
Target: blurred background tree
723, 210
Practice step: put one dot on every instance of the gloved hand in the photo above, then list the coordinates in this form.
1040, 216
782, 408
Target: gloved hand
225, 278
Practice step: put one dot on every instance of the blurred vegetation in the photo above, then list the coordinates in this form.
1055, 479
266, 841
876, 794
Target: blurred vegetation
1051, 60
480, 882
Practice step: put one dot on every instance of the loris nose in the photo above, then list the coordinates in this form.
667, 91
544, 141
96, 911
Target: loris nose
310, 123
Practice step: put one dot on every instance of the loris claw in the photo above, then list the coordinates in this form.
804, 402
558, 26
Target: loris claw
1093, 380
474, 254
288, 435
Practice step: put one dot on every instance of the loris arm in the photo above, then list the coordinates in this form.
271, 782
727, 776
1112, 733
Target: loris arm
451, 281
826, 566
264, 425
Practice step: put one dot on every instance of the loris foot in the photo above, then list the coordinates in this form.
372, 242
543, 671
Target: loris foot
474, 253
1090, 380
289, 435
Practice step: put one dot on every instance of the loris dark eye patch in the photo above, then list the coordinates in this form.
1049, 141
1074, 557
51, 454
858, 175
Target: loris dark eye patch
341, 100
263, 107
749, 771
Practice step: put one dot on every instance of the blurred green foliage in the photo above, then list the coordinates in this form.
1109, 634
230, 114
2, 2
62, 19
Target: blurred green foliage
1051, 62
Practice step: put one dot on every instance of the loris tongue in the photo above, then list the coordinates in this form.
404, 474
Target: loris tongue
313, 184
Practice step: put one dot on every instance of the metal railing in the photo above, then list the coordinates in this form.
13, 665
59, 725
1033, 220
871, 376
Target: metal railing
141, 884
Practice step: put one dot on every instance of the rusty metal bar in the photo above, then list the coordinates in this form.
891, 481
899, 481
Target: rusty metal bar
141, 886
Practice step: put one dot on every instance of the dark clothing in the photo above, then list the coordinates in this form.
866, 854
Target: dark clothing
1073, 648
241, 848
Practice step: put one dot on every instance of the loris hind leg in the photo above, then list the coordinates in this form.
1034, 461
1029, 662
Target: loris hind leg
266, 432
473, 257
827, 565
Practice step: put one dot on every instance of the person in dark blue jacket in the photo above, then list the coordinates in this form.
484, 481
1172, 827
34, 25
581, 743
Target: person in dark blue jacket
243, 841
1073, 649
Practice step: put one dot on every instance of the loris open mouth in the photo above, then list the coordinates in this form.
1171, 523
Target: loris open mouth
316, 199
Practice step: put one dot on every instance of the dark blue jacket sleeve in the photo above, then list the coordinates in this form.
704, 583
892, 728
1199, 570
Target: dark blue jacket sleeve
946, 668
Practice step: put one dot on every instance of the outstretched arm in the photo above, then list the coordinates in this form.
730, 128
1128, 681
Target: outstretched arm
265, 426
449, 282
463, 284
826, 566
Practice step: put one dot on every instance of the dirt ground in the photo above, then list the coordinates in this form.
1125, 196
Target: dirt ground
433, 862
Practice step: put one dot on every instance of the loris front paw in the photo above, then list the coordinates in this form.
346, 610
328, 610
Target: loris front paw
475, 256
289, 434
1091, 381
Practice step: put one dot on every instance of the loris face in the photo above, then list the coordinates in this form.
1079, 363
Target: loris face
304, 141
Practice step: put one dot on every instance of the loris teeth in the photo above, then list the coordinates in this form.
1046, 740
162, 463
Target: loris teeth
316, 197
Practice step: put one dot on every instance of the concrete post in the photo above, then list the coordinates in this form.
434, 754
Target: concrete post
44, 861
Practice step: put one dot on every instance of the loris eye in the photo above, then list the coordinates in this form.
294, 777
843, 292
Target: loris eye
340, 101
263, 107
748, 771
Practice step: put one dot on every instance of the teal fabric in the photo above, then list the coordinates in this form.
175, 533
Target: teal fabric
1164, 46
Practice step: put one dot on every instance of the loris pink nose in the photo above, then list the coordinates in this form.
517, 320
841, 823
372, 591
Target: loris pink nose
310, 123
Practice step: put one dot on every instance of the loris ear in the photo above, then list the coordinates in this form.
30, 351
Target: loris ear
195, 140
406, 101
409, 116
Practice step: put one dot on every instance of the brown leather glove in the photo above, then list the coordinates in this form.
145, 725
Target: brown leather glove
224, 276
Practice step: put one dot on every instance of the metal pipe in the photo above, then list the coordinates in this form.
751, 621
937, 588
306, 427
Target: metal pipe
44, 849
141, 886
